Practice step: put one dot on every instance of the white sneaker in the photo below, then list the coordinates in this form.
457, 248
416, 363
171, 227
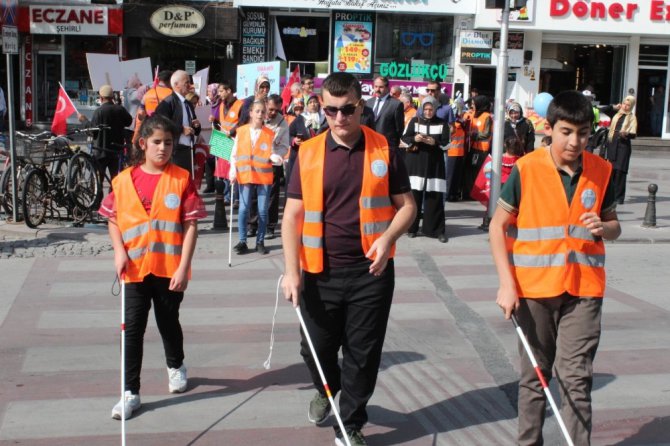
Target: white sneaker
131, 403
177, 379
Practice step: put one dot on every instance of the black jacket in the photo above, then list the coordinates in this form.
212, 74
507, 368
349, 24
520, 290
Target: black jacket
116, 117
170, 107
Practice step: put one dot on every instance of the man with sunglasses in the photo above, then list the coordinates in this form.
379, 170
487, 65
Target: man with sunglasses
349, 200
389, 115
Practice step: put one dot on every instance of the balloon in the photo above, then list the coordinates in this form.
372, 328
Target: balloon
541, 104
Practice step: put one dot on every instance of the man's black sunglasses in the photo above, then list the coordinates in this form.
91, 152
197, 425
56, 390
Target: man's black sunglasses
347, 110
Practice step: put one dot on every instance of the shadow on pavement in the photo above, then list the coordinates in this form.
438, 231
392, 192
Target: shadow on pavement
655, 432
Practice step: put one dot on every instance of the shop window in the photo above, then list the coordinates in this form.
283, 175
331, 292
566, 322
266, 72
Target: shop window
407, 37
303, 40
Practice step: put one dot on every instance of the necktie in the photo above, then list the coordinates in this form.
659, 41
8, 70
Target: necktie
188, 112
376, 109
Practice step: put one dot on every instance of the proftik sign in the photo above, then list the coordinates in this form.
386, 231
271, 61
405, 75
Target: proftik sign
177, 21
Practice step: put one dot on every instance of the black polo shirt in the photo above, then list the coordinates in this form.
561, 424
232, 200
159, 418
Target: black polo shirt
342, 184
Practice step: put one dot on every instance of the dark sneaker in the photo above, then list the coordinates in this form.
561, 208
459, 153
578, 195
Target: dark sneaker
442, 238
241, 248
356, 438
319, 409
270, 234
261, 249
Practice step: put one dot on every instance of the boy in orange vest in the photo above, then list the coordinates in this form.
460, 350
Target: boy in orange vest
547, 242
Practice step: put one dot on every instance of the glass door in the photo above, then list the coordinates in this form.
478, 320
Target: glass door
47, 76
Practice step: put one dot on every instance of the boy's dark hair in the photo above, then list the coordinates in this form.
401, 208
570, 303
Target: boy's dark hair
341, 84
149, 125
571, 106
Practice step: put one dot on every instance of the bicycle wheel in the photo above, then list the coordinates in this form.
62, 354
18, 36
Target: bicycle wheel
84, 187
35, 198
6, 191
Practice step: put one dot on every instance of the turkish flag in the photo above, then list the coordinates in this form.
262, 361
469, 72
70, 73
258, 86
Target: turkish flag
64, 108
286, 92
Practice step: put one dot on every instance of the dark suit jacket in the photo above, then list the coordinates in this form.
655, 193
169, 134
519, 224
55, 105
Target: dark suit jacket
390, 120
170, 107
116, 117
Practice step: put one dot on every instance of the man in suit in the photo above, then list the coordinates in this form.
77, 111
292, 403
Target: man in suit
180, 111
389, 117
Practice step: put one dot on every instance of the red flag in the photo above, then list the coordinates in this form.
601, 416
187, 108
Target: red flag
286, 92
64, 108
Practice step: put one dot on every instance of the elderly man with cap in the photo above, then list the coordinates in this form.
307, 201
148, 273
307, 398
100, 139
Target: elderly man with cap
108, 142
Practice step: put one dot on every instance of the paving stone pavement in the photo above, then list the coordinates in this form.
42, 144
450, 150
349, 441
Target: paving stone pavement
449, 367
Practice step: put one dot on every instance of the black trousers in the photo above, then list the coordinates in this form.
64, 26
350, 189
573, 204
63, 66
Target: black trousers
619, 183
139, 296
273, 201
183, 157
347, 308
432, 204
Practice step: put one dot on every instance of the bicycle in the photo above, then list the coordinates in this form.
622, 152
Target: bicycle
22, 164
64, 179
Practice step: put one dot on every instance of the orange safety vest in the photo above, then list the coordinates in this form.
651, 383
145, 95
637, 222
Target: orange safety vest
230, 119
551, 251
151, 99
153, 241
376, 211
456, 145
253, 163
478, 125
409, 114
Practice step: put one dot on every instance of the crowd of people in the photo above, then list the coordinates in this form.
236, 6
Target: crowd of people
359, 174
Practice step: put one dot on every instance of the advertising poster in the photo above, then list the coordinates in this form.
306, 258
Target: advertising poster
353, 42
248, 73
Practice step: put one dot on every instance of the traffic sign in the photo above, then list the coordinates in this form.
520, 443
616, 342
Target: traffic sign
10, 40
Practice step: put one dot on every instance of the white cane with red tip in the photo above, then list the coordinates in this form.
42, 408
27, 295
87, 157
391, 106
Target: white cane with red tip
543, 381
323, 377
123, 359
230, 228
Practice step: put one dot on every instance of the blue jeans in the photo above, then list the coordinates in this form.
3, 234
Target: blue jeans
262, 191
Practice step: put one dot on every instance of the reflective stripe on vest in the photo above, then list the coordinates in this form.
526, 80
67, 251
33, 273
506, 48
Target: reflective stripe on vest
456, 145
551, 251
253, 163
229, 119
153, 240
376, 210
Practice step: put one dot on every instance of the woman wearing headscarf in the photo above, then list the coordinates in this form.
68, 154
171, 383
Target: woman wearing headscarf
427, 138
308, 123
516, 126
623, 128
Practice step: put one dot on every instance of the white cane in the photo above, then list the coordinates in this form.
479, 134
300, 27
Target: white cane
543, 381
192, 165
323, 377
123, 360
230, 227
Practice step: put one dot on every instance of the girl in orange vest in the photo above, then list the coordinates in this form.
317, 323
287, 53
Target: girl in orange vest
153, 212
251, 167
481, 131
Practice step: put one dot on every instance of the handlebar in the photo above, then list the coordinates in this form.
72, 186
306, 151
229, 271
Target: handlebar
35, 137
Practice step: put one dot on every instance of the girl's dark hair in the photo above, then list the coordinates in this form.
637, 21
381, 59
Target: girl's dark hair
514, 147
149, 125
571, 106
341, 84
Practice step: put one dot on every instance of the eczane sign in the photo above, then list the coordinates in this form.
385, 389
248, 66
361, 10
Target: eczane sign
177, 21
84, 20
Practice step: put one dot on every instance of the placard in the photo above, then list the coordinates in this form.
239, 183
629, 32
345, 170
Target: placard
353, 37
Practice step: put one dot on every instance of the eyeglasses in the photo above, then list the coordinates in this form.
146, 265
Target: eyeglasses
346, 110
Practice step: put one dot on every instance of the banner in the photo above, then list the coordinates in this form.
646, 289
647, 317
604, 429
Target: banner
221, 145
248, 73
353, 42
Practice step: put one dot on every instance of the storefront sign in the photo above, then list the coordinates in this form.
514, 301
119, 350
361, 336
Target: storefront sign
476, 47
514, 41
10, 40
461, 7
476, 56
301, 32
353, 42
254, 37
177, 21
415, 88
28, 80
407, 71
82, 20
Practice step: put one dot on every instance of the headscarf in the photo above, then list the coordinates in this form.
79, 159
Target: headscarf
313, 119
629, 123
429, 100
514, 106
261, 80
